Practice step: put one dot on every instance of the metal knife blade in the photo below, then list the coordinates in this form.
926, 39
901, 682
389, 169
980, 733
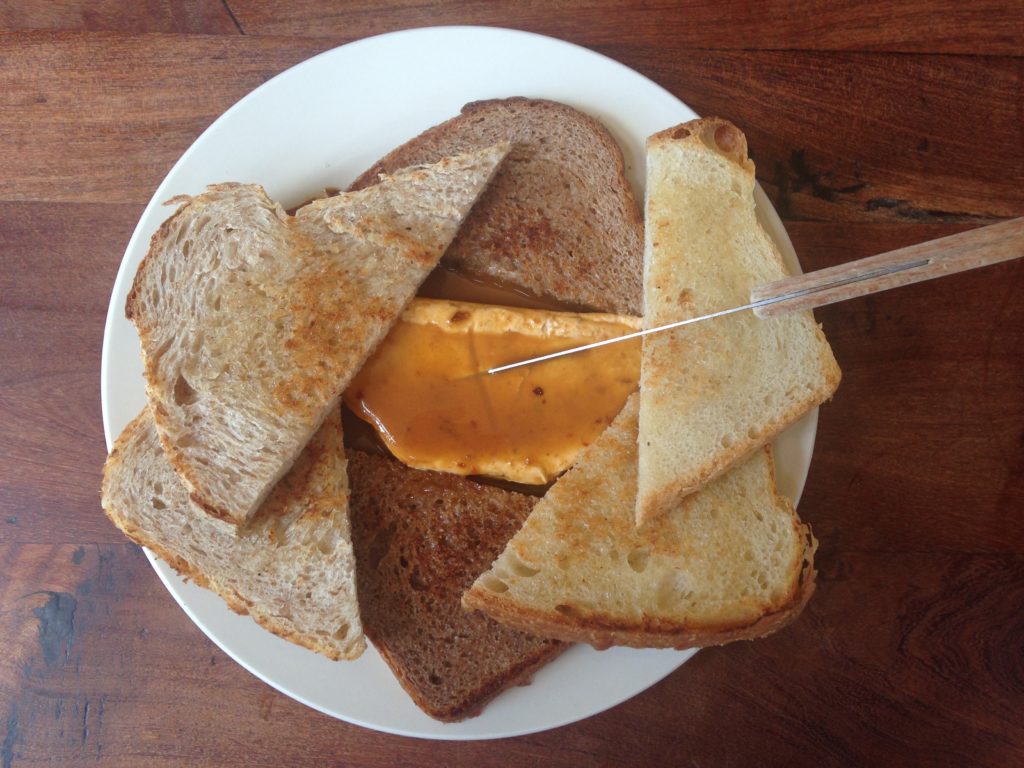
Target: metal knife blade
936, 258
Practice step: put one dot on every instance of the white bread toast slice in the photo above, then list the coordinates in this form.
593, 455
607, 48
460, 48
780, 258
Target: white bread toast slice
252, 322
559, 219
713, 393
292, 568
730, 562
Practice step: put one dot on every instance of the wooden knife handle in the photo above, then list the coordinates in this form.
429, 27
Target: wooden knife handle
925, 261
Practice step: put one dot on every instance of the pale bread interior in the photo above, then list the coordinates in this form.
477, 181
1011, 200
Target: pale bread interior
714, 392
728, 562
292, 568
252, 322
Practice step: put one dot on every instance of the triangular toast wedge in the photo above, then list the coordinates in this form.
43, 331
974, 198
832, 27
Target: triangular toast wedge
292, 568
420, 539
730, 562
559, 219
252, 322
714, 392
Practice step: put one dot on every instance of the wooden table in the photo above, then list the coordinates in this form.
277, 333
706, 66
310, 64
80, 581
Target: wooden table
873, 126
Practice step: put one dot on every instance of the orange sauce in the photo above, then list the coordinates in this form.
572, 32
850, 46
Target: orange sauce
427, 392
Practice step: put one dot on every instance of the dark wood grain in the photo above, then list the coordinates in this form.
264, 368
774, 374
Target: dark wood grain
194, 16
919, 26
873, 125
59, 263
862, 135
854, 137
928, 423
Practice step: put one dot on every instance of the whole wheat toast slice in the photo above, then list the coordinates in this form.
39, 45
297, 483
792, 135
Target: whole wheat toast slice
713, 393
252, 322
559, 219
729, 562
292, 568
420, 539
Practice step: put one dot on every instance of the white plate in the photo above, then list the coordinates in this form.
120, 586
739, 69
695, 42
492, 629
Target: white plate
319, 125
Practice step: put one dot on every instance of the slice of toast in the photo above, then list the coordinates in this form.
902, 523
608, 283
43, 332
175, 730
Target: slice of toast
292, 568
729, 562
252, 322
559, 219
420, 539
714, 392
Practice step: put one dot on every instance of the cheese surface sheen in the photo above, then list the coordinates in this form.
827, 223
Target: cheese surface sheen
427, 393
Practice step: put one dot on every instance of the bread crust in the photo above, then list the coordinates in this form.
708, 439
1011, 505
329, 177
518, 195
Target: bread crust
549, 580
114, 469
526, 231
721, 137
603, 631
252, 321
421, 537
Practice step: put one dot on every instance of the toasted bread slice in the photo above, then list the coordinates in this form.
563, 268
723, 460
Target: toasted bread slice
292, 568
729, 562
714, 392
420, 539
252, 322
559, 219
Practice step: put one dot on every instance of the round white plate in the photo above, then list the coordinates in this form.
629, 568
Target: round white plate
319, 125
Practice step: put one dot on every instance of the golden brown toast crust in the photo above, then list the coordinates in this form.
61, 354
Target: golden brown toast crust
603, 631
184, 567
725, 139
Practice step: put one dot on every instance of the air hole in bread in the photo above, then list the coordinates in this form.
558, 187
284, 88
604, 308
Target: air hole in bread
753, 433
328, 543
416, 581
566, 610
638, 559
727, 138
183, 392
519, 568
158, 503
434, 679
726, 441
493, 584
680, 133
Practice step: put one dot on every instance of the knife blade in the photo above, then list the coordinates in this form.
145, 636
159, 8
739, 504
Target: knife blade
925, 261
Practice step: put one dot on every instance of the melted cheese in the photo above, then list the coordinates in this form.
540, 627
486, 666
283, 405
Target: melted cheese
426, 391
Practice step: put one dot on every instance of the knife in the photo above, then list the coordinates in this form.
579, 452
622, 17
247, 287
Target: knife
925, 261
